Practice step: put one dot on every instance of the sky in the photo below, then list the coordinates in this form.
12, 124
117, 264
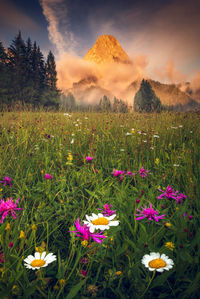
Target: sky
162, 34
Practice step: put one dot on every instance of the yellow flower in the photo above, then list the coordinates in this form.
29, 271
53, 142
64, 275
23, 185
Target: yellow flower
1, 190
133, 131
42, 171
169, 245
170, 145
84, 243
118, 273
56, 287
8, 226
34, 227
157, 161
22, 235
62, 282
177, 208
168, 224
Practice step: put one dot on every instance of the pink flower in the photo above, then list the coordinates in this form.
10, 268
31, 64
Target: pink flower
118, 173
84, 261
85, 234
48, 176
10, 244
89, 159
83, 272
7, 207
107, 211
169, 193
149, 213
143, 172
179, 198
2, 258
6, 181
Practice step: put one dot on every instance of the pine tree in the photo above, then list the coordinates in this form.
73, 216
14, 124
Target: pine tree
105, 104
4, 76
68, 102
51, 73
146, 99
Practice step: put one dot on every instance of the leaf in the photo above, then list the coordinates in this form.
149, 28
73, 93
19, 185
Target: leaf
74, 291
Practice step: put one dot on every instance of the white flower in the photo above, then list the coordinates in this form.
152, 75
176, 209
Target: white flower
39, 260
176, 165
72, 141
156, 136
128, 134
180, 126
155, 261
100, 222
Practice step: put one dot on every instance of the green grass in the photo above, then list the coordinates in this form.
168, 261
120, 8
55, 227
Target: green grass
33, 144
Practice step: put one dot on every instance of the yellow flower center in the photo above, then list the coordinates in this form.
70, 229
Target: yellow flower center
38, 263
157, 264
100, 221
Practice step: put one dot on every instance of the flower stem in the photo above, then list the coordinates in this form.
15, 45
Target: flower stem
150, 281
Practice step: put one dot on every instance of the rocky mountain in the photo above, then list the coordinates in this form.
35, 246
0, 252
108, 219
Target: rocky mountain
105, 50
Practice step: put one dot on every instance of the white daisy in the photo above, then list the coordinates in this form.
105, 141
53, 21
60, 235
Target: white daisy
155, 261
100, 222
39, 260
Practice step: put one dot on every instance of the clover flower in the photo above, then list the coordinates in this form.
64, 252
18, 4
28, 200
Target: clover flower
8, 207
118, 173
6, 181
89, 159
149, 213
143, 172
48, 176
85, 234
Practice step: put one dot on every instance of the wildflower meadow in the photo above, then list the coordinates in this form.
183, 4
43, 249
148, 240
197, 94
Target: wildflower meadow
99, 205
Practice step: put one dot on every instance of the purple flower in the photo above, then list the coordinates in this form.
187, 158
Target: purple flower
85, 234
48, 176
179, 198
118, 173
190, 217
143, 172
149, 213
169, 193
7, 207
6, 181
107, 211
89, 159
83, 272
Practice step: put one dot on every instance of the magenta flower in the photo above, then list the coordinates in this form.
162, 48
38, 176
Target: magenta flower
7, 207
48, 176
179, 198
143, 172
149, 213
169, 193
85, 234
6, 181
83, 272
107, 211
118, 173
89, 159
2, 258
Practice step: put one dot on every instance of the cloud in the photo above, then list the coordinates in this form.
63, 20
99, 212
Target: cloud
169, 74
56, 12
11, 16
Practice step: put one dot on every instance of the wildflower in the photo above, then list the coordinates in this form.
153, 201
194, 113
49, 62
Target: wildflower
7, 207
84, 261
2, 258
169, 193
7, 226
83, 272
155, 261
169, 245
85, 233
100, 222
143, 172
39, 260
185, 230
128, 134
156, 136
22, 235
48, 176
6, 181
84, 243
118, 273
107, 211
180, 197
167, 224
10, 244
149, 213
163, 207
190, 217
34, 227
62, 282
92, 289
118, 173
137, 200
89, 159
157, 161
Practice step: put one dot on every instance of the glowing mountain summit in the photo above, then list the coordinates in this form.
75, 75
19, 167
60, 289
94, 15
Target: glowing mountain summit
107, 49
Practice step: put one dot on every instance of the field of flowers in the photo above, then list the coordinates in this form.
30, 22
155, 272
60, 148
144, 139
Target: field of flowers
99, 205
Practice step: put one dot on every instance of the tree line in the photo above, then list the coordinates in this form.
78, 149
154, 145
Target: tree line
25, 76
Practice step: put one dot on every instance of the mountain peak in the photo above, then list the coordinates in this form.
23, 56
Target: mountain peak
105, 50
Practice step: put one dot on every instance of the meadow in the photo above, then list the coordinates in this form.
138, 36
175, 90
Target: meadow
49, 184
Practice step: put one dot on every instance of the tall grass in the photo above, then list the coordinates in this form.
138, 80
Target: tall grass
33, 144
